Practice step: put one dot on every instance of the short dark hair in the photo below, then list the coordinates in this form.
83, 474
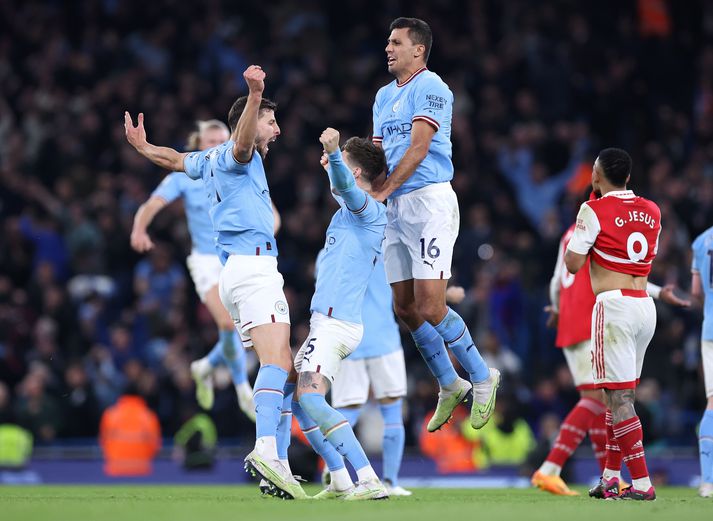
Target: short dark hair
418, 31
616, 165
366, 156
237, 109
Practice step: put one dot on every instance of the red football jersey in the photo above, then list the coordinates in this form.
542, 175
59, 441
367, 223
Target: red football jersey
621, 232
576, 300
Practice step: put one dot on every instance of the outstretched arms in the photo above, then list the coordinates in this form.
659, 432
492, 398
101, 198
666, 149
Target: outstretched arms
164, 157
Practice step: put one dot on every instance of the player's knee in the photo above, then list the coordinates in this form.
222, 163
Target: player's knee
432, 311
408, 313
593, 394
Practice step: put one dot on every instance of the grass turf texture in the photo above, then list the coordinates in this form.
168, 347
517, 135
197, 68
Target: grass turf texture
200, 503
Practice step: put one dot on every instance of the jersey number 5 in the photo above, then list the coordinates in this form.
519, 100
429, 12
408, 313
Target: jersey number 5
310, 346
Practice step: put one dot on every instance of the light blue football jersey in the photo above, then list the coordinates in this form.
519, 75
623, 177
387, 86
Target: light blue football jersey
381, 332
425, 97
240, 204
196, 205
703, 264
352, 247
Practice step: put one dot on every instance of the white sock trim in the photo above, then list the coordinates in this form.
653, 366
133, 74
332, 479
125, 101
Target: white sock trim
643, 484
366, 474
266, 446
341, 479
609, 474
550, 469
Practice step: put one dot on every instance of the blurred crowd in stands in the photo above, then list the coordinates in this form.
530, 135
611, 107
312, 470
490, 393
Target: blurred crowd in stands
539, 88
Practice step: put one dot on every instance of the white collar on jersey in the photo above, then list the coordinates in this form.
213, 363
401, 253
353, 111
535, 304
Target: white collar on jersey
621, 194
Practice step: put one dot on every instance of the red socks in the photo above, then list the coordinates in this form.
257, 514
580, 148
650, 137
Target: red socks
613, 450
630, 439
598, 437
573, 429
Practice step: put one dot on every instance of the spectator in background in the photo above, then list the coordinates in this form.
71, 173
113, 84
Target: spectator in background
81, 410
536, 190
15, 442
6, 414
159, 281
130, 436
500, 357
506, 441
35, 409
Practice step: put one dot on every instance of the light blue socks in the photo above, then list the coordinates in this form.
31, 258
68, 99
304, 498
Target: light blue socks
229, 350
335, 428
268, 396
705, 446
284, 428
455, 334
394, 438
430, 344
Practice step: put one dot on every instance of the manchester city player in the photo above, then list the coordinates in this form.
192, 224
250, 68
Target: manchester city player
377, 364
352, 249
702, 289
204, 266
250, 286
412, 123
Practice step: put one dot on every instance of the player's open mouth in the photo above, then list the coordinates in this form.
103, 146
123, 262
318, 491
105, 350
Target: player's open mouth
390, 61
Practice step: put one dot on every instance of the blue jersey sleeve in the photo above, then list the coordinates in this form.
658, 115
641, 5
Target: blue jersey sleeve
193, 165
339, 174
432, 102
357, 200
226, 162
694, 258
170, 188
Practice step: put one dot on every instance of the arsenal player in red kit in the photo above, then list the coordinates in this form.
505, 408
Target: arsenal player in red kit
620, 232
571, 304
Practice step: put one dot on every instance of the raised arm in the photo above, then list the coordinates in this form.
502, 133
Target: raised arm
339, 174
245, 131
164, 157
421, 136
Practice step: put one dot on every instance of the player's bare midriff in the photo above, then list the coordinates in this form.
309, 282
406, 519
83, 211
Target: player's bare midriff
607, 280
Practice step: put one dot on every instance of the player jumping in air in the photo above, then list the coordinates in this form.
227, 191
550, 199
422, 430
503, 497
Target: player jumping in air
620, 232
702, 288
250, 287
412, 123
352, 249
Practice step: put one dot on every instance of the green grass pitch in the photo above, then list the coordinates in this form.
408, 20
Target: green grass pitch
224, 503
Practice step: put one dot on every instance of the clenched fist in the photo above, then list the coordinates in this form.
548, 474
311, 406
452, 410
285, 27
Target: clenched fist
255, 78
329, 140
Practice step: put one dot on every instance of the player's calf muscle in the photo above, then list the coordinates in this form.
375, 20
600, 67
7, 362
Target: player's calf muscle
621, 404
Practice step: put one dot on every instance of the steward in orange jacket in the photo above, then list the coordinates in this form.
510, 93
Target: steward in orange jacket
130, 437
